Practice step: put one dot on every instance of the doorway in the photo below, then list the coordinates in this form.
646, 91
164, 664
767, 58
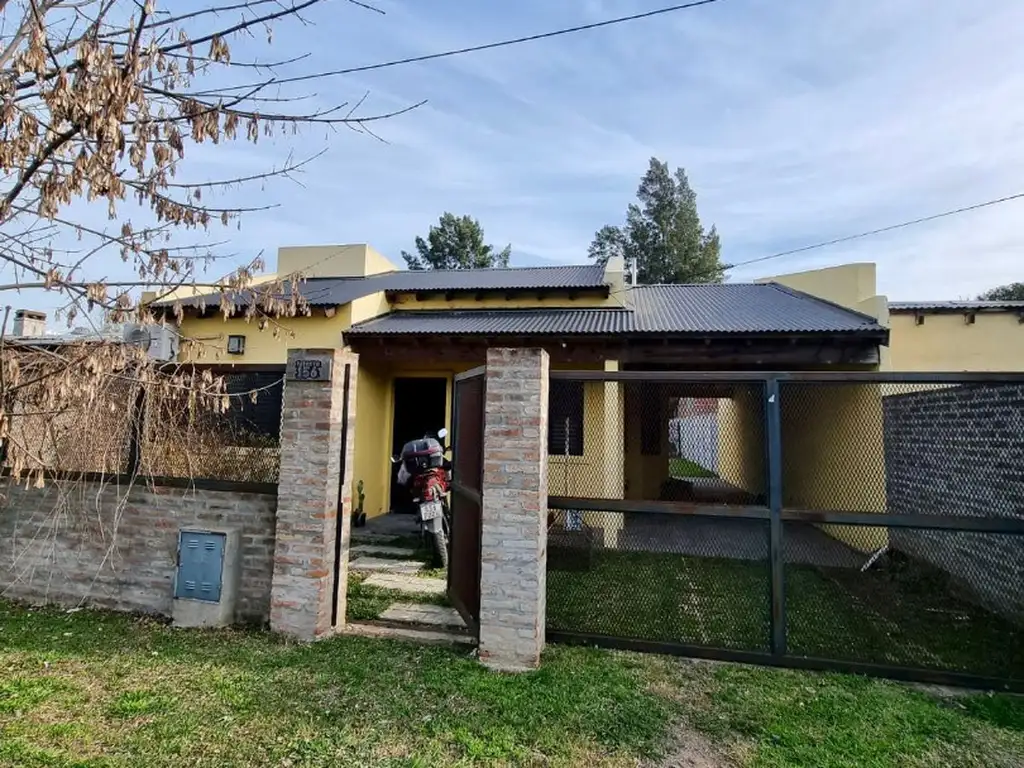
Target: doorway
420, 408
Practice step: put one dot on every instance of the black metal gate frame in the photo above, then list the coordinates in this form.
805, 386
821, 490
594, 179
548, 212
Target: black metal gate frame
776, 516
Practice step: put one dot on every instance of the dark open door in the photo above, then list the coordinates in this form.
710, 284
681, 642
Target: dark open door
420, 407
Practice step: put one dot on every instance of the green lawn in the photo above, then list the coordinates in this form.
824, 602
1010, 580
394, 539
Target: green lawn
101, 689
91, 689
881, 616
367, 603
680, 467
779, 718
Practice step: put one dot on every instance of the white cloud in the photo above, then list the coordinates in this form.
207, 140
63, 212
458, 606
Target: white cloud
797, 122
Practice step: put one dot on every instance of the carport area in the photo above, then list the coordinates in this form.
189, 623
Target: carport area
859, 521
732, 539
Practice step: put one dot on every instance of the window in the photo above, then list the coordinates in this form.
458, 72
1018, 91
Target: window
236, 345
652, 425
262, 417
565, 418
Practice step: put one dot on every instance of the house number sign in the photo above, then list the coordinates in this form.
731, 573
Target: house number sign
309, 369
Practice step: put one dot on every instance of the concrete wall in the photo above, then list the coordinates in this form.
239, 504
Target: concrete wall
960, 451
945, 342
113, 548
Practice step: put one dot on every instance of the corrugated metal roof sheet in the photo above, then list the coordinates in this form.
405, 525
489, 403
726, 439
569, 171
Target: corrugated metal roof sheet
334, 291
740, 308
729, 308
954, 306
512, 278
520, 322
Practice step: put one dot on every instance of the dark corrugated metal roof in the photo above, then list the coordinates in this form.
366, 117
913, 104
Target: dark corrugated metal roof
526, 322
954, 306
512, 278
729, 308
334, 291
740, 308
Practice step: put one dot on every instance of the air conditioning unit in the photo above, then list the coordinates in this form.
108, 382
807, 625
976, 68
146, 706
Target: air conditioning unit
159, 341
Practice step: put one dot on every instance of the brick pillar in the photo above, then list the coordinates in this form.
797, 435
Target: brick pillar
312, 429
513, 571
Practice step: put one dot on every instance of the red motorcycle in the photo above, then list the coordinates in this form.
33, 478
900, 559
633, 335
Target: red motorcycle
428, 473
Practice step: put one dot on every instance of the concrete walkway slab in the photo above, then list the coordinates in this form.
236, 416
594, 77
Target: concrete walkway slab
382, 550
413, 585
382, 565
425, 614
432, 636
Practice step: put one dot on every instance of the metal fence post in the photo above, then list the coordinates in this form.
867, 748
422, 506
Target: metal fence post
136, 434
777, 560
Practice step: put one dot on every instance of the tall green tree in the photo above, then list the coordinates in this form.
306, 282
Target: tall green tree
663, 233
457, 242
1008, 292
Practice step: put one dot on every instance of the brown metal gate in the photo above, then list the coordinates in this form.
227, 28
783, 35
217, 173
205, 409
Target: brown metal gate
467, 486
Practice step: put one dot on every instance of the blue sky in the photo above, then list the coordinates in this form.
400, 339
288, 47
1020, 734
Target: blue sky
797, 121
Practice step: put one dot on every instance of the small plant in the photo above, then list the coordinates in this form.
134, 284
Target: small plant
358, 516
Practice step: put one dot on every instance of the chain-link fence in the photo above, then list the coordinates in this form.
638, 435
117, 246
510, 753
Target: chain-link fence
699, 442
238, 444
660, 577
872, 522
127, 427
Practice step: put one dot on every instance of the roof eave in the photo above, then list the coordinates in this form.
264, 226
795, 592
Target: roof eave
880, 335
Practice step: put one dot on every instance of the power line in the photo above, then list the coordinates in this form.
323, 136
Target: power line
879, 231
500, 43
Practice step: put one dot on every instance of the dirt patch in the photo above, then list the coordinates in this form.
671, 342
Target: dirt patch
689, 749
684, 681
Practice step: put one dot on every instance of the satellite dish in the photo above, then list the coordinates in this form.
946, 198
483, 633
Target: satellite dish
140, 337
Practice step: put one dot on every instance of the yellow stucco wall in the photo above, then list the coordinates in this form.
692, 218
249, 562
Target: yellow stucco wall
644, 474
600, 472
850, 285
373, 439
833, 457
204, 339
350, 260
945, 342
591, 475
741, 440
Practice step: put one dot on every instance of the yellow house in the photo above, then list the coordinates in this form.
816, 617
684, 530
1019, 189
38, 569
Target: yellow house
414, 331
957, 335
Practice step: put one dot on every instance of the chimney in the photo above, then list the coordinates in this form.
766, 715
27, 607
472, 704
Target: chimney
615, 279
28, 322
